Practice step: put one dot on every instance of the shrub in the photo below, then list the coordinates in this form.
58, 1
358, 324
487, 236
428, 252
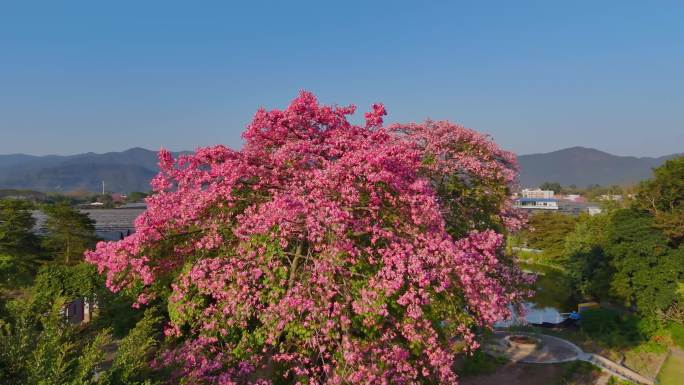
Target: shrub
480, 363
611, 329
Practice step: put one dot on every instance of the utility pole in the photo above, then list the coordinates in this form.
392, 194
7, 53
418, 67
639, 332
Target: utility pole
103, 193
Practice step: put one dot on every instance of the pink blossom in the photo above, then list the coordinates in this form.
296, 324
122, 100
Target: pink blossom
324, 248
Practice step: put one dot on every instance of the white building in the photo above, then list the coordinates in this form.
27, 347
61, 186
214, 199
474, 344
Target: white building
537, 193
536, 204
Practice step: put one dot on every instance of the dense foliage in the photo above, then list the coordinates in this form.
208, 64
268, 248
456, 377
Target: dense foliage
647, 271
629, 258
325, 252
588, 266
663, 197
547, 232
634, 254
69, 232
16, 236
65, 235
623, 255
610, 328
38, 347
19, 250
553, 186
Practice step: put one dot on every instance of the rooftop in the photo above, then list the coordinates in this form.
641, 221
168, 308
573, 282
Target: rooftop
537, 200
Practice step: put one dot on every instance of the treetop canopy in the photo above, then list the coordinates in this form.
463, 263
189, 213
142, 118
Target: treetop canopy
325, 252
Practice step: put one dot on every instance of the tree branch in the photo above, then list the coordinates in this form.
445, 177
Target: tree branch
293, 265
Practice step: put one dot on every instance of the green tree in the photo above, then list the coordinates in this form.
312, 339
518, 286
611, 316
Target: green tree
647, 271
553, 186
588, 266
471, 204
81, 280
612, 329
131, 364
38, 347
547, 232
19, 246
663, 197
16, 227
69, 232
68, 281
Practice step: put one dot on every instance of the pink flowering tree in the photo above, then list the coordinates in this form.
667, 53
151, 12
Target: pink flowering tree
324, 252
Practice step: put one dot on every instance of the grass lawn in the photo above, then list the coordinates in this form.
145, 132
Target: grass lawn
677, 334
645, 358
672, 371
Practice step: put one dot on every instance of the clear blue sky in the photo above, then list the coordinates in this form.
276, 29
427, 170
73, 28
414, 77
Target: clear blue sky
538, 76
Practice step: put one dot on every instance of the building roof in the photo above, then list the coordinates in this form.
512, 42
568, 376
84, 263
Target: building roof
537, 200
137, 205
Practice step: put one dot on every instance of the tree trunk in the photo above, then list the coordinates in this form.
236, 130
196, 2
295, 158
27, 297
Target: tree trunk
293, 266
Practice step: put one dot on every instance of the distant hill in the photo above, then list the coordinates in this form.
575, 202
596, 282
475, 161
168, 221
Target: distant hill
125, 171
583, 166
131, 170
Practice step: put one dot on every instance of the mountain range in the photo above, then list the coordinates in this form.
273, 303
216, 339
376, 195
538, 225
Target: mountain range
124, 171
583, 166
131, 170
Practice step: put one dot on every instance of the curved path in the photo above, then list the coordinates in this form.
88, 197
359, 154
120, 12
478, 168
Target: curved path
555, 350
